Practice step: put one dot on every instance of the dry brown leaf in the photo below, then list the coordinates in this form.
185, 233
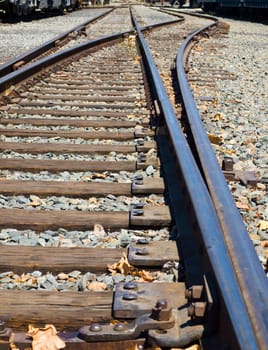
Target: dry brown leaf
123, 266
215, 139
92, 200
264, 244
12, 346
99, 230
98, 176
227, 151
34, 204
263, 225
145, 276
217, 117
45, 338
96, 286
109, 240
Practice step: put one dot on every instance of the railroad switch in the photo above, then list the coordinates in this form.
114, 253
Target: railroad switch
159, 309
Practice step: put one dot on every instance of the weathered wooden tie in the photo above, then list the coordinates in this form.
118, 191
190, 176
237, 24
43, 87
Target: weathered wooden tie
79, 189
40, 220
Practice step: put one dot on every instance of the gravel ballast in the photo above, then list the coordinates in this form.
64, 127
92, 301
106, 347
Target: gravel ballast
236, 113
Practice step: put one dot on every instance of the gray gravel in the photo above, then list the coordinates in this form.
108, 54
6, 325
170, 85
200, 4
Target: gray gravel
27, 35
237, 113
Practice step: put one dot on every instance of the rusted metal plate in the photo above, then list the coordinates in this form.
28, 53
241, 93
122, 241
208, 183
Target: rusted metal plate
60, 188
66, 165
40, 220
74, 343
150, 216
36, 148
184, 333
153, 253
131, 303
22, 259
148, 185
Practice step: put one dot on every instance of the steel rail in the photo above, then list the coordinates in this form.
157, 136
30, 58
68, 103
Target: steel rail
204, 210
26, 57
252, 280
19, 75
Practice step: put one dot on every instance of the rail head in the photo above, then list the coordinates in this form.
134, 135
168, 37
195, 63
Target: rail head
210, 228
26, 57
252, 280
17, 76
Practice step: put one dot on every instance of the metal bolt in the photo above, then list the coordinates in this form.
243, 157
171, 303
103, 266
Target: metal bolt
138, 205
138, 182
161, 312
142, 241
129, 296
140, 142
161, 304
137, 212
95, 327
138, 177
119, 327
2, 326
142, 251
142, 158
131, 285
228, 164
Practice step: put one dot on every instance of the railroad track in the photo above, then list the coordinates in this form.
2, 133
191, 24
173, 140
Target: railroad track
80, 174
51, 46
104, 22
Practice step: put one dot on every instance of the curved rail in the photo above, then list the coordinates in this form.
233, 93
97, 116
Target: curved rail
205, 212
26, 57
252, 280
208, 223
17, 76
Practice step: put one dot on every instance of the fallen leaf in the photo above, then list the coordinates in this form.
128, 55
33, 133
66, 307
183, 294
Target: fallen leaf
98, 176
264, 244
227, 151
217, 117
45, 338
215, 139
145, 276
109, 240
99, 230
263, 225
92, 200
123, 266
